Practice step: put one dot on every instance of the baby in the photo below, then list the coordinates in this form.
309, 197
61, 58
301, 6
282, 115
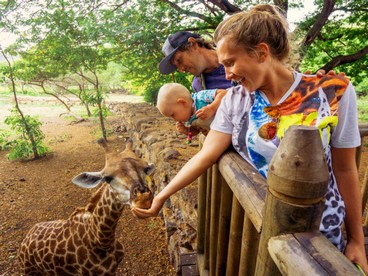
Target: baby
193, 112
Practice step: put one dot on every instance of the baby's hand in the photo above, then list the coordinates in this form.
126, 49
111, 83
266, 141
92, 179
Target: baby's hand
181, 128
205, 112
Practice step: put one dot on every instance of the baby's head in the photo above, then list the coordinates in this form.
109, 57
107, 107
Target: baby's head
174, 101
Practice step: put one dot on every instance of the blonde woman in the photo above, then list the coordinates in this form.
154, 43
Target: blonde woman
253, 47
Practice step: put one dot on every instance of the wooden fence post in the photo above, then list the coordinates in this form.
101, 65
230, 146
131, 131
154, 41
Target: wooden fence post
297, 183
202, 189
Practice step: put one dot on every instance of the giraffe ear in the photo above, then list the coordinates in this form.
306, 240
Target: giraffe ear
88, 179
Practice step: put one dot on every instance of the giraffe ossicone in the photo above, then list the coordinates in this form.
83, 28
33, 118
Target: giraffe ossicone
85, 244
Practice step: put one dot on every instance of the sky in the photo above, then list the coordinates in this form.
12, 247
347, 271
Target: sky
294, 15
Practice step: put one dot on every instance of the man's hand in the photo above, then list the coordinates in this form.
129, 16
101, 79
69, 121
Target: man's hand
320, 73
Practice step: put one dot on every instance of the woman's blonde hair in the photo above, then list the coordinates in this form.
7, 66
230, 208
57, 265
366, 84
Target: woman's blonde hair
262, 23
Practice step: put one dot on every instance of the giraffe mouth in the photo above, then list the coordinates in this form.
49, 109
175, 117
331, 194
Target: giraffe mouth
142, 200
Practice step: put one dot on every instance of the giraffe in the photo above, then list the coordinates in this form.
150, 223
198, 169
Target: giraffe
85, 244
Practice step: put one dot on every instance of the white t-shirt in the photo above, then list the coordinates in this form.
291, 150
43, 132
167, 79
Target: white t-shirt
328, 103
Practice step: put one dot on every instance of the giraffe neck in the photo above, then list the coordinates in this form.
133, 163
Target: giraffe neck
105, 218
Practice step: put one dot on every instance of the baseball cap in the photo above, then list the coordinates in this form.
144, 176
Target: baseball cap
171, 45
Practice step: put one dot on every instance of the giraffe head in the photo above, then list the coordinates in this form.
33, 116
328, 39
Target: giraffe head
127, 174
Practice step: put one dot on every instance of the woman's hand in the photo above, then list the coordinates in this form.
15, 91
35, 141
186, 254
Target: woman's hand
153, 211
356, 253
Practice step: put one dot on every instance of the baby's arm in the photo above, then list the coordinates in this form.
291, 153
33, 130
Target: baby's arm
209, 110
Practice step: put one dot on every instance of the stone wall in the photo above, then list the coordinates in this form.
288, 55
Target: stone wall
155, 140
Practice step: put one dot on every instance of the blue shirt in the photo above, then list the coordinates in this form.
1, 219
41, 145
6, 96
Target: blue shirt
213, 80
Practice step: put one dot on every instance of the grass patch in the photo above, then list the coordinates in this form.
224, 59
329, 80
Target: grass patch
363, 109
59, 139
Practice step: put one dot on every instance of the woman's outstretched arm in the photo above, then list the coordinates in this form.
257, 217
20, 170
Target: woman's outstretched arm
214, 145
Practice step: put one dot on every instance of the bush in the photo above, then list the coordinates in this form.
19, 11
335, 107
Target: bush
150, 94
5, 142
21, 146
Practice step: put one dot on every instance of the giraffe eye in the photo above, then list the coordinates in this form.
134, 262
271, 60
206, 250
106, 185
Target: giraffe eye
108, 179
149, 169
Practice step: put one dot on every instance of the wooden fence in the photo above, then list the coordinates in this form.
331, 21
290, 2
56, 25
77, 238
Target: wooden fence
250, 226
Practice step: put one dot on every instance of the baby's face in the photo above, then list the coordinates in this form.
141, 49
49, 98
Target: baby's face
179, 112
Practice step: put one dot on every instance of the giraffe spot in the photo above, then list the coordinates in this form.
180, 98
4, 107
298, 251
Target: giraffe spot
82, 254
53, 243
62, 271
109, 221
47, 258
71, 258
107, 263
70, 245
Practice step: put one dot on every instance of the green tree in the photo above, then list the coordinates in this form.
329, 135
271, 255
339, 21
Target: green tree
30, 140
69, 37
336, 36
132, 32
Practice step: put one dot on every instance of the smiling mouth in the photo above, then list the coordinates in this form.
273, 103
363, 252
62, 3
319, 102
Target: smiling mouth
239, 81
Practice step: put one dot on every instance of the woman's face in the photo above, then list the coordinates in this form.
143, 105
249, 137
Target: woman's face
241, 66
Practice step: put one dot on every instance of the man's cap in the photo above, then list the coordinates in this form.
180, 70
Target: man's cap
171, 45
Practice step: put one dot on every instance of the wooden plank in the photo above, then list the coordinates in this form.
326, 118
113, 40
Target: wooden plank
249, 249
235, 235
201, 220
188, 259
189, 270
208, 220
363, 129
247, 184
201, 266
308, 254
224, 228
291, 258
215, 210
188, 264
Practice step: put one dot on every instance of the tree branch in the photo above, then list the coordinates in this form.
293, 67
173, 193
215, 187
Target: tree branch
179, 9
338, 60
321, 20
283, 4
226, 6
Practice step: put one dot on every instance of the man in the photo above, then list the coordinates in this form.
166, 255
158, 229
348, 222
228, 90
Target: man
190, 53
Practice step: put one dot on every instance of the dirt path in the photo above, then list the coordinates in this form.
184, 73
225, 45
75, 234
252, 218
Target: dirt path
41, 190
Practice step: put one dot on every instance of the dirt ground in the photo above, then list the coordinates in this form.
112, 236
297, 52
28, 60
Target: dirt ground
41, 190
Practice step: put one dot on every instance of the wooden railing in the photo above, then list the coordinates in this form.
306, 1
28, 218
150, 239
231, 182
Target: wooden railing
247, 226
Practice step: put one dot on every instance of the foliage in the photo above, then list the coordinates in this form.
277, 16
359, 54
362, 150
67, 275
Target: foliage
363, 109
81, 38
5, 143
104, 109
21, 147
344, 34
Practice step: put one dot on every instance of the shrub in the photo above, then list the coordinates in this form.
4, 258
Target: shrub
21, 146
